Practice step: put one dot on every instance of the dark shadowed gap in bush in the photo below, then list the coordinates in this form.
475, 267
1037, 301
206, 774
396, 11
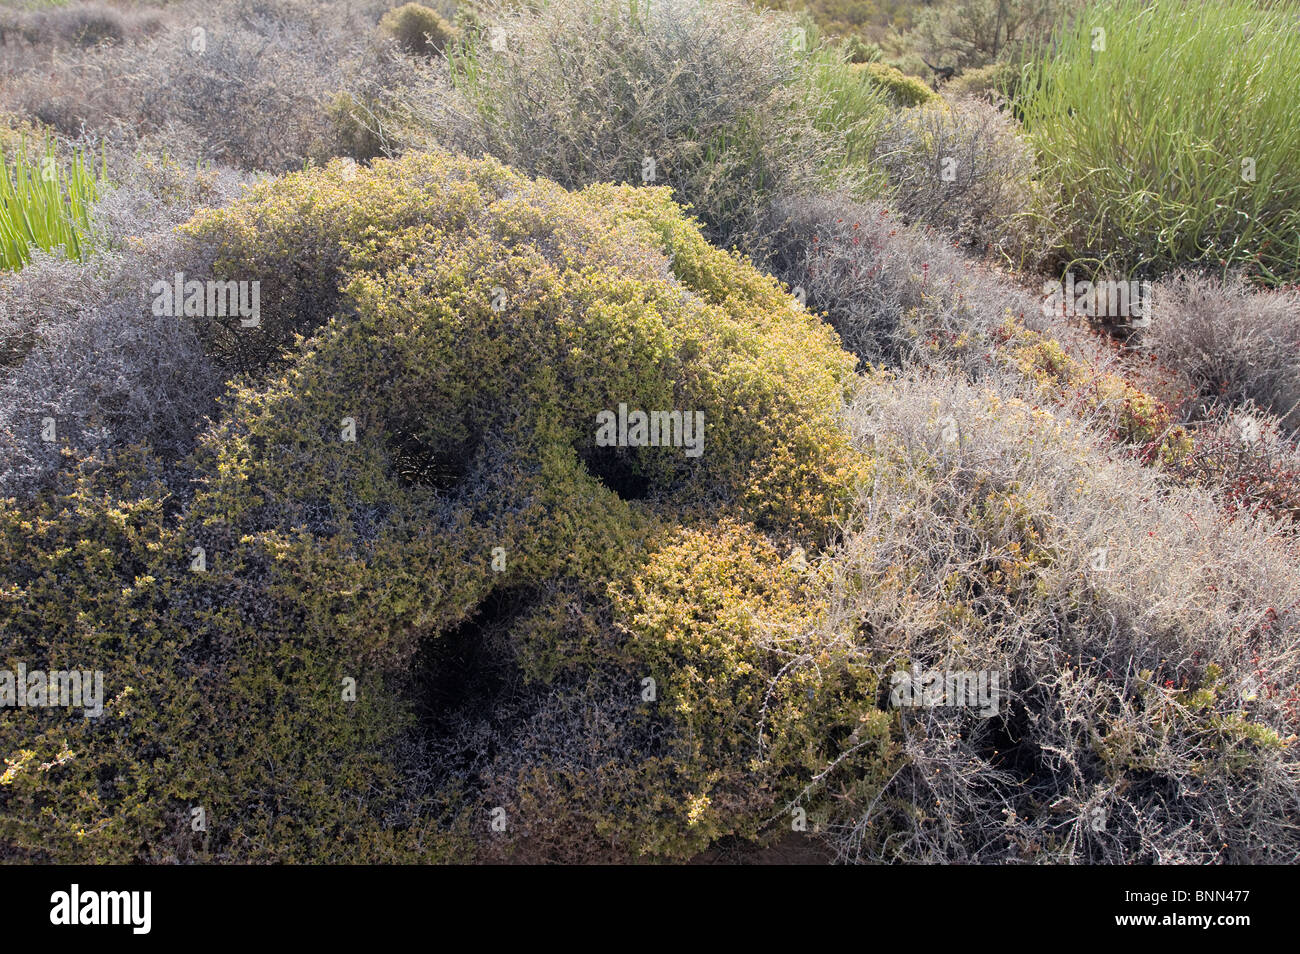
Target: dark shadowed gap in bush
420, 464
465, 674
617, 468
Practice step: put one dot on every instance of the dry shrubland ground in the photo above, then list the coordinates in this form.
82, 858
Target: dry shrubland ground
972, 566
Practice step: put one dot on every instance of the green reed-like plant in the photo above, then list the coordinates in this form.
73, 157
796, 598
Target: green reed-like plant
44, 201
1169, 132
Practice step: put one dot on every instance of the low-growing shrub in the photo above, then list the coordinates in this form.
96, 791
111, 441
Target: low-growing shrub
258, 104
858, 51
81, 25
594, 91
88, 562
1230, 341
356, 125
902, 89
417, 499
1247, 458
251, 89
900, 295
1142, 641
996, 83
220, 705
84, 359
975, 33
417, 29
964, 169
894, 292
729, 626
1128, 414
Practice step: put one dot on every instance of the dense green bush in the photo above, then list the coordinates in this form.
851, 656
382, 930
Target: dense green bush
856, 51
764, 691
356, 126
903, 90
85, 588
475, 425
365, 586
330, 558
217, 694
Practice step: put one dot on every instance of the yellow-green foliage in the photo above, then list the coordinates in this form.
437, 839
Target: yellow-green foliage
991, 82
904, 90
592, 314
216, 695
466, 324
417, 29
84, 588
762, 698
1136, 417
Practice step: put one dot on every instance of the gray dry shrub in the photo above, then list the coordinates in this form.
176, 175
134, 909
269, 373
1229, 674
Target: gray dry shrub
252, 91
893, 292
78, 25
592, 91
963, 168
79, 342
1101, 751
1230, 341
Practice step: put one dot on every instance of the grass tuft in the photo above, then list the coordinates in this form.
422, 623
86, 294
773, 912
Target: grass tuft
44, 203
1170, 133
